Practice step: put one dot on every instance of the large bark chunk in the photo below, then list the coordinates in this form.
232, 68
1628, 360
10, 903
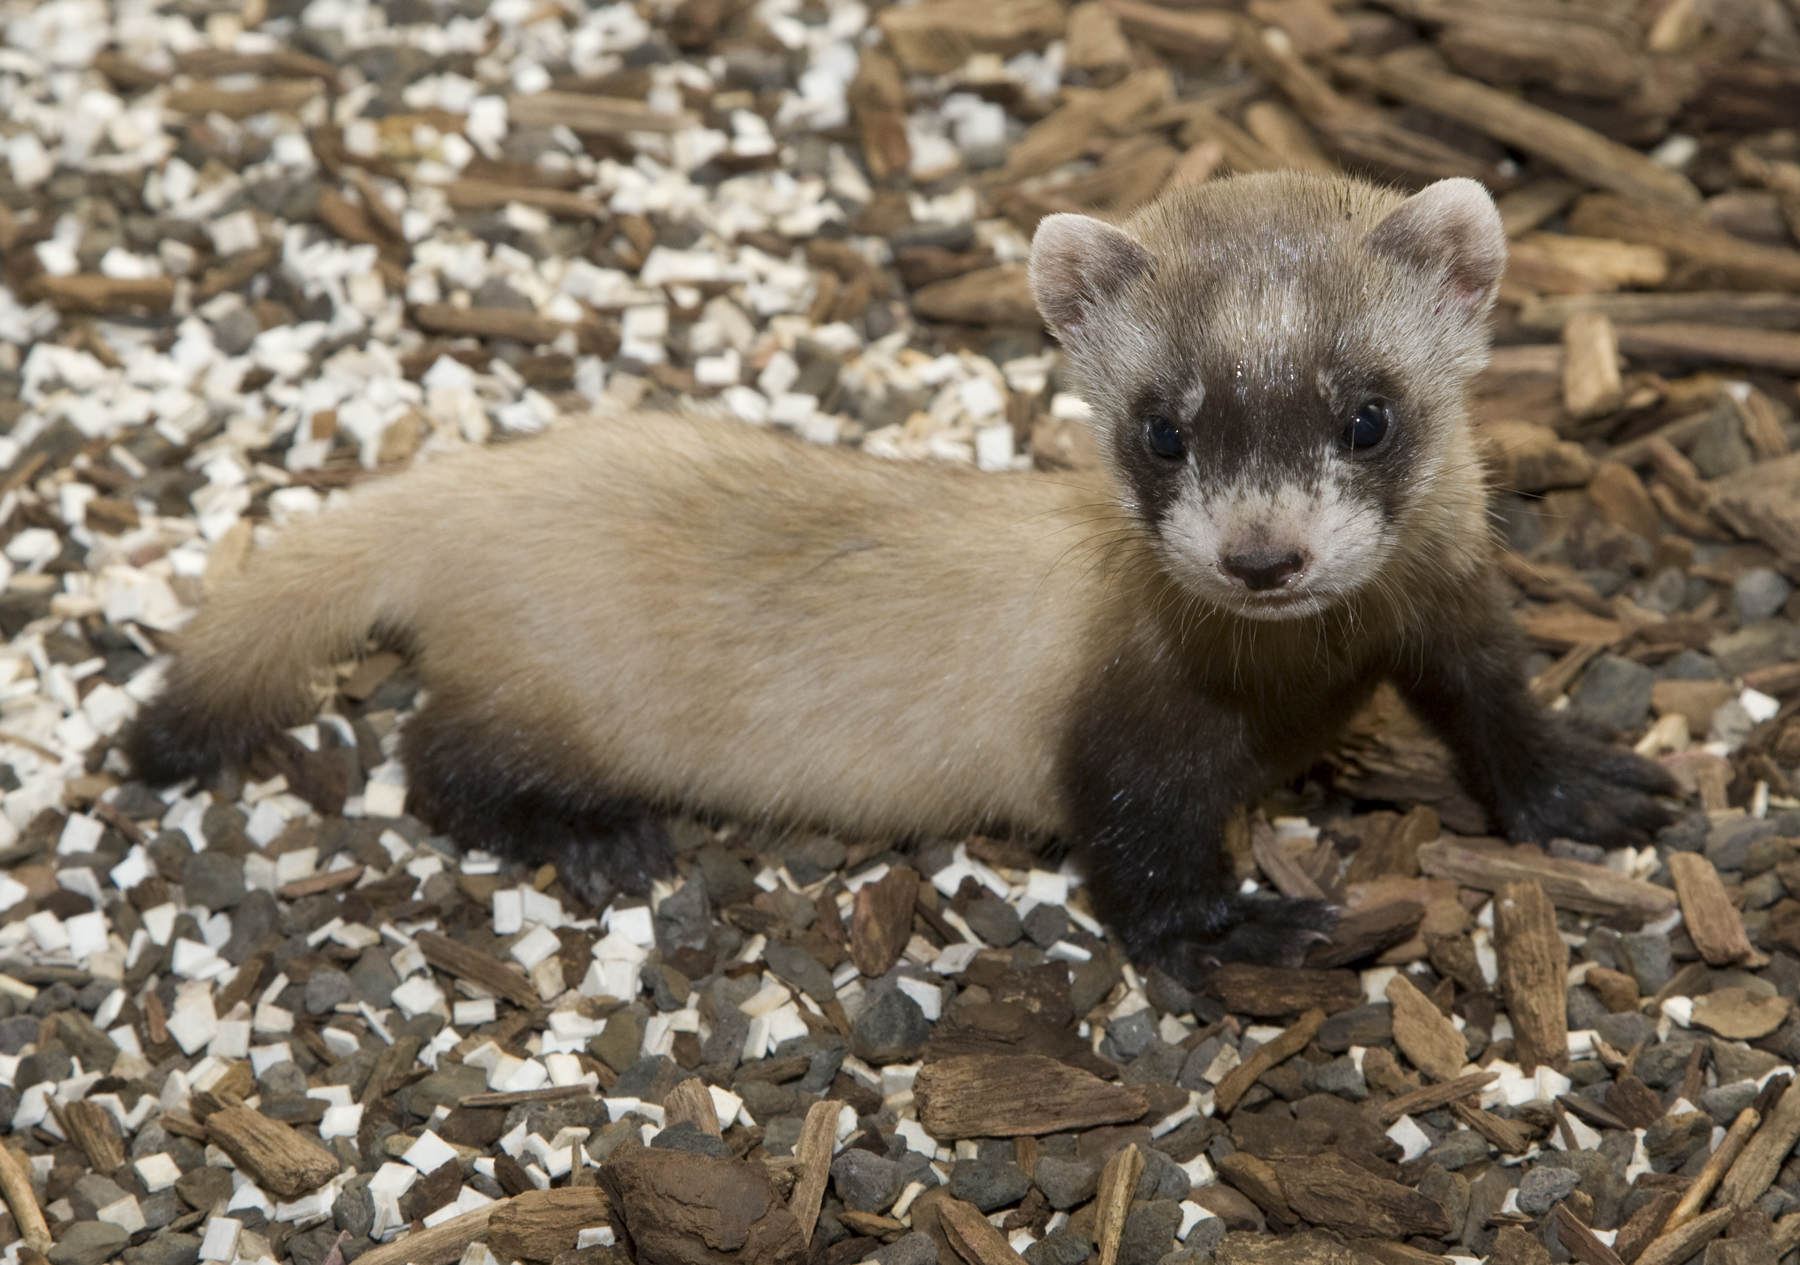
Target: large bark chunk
975, 1097
678, 1208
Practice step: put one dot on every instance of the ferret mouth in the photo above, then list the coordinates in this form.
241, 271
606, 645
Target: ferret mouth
1279, 604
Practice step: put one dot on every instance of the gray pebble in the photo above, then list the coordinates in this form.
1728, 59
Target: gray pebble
727, 879
994, 921
1728, 844
1583, 1008
283, 1079
811, 859
912, 1249
891, 1030
452, 1081
354, 1209
1646, 957
1624, 1031
618, 1044
1206, 1235
1757, 645
1163, 1178
1734, 1062
801, 969
253, 920
1759, 593
88, 1243
1689, 665
1660, 1066
1046, 924
203, 1188
374, 977
1615, 692
684, 918
326, 989
988, 1185
1132, 1035
685, 1135
1341, 1076
1064, 1247
1458, 1150
17, 1031
92, 1193
1371, 1023
1542, 1187
215, 880
1724, 1103
1091, 981
165, 1249
866, 1182
1066, 1181
1149, 1232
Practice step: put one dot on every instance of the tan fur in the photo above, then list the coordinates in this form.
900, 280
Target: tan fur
709, 613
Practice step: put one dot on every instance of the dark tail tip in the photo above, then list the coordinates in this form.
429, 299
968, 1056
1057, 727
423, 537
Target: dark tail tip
171, 741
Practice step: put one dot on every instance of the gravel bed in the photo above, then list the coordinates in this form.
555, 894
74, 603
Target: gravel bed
252, 255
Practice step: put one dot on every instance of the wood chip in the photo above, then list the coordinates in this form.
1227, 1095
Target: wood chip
1582, 153
1112, 1200
1712, 921
1434, 1096
1583, 1244
283, 1161
1591, 383
101, 295
975, 1097
1423, 1034
1592, 889
691, 1101
275, 95
540, 1224
665, 1204
1763, 1155
1675, 1246
938, 36
477, 967
881, 921
1707, 1179
15, 1186
488, 322
1534, 974
1366, 932
585, 113
92, 1128
1265, 1056
990, 296
1759, 504
973, 1237
812, 1158
1334, 1191
438, 1245
1256, 1179
1269, 991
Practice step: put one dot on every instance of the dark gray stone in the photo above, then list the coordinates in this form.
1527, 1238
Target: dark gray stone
1759, 593
801, 969
1689, 665
987, 1184
374, 977
1728, 844
327, 989
1162, 1178
618, 1045
1458, 1150
214, 879
892, 1029
283, 1079
1630, 1028
1583, 1009
1161, 1063
18, 1031
1660, 1066
824, 1055
994, 921
1646, 957
1206, 1235
866, 1182
812, 858
253, 920
1724, 1103
1758, 645
450, 1083
1371, 1023
1149, 1232
1046, 924
685, 1135
354, 1209
203, 1188
1132, 1035
1614, 692
684, 918
92, 1193
1066, 1180
1734, 1062
1065, 1247
165, 1249
727, 879
1341, 1076
88, 1243
911, 1249
1542, 1187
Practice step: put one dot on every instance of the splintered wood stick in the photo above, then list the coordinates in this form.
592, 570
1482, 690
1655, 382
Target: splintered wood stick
1694, 1198
15, 1187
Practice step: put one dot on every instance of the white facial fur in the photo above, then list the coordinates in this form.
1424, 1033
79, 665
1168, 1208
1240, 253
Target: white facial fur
1337, 531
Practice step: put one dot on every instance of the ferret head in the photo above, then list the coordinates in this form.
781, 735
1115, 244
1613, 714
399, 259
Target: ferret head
1277, 367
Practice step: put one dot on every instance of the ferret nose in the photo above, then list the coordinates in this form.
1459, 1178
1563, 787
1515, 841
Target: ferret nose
1265, 569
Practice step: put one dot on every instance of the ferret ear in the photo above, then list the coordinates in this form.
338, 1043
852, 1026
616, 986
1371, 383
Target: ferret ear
1077, 262
1451, 229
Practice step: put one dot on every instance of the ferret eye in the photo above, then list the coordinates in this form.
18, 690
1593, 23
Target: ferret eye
1164, 437
1367, 427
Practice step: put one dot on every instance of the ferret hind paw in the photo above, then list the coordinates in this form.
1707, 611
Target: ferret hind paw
1257, 930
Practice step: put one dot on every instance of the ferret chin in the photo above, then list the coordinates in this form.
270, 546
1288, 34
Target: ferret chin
651, 615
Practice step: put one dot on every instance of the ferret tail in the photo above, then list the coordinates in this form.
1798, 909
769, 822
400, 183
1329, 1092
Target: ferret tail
247, 666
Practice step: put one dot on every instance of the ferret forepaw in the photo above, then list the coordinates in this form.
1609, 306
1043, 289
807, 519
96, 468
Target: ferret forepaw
1586, 790
1261, 932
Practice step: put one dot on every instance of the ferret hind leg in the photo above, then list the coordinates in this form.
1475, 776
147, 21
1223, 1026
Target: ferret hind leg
513, 791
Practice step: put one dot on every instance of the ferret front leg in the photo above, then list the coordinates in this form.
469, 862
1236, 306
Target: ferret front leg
1151, 826
1540, 776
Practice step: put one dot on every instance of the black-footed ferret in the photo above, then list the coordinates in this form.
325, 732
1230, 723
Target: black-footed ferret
650, 614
